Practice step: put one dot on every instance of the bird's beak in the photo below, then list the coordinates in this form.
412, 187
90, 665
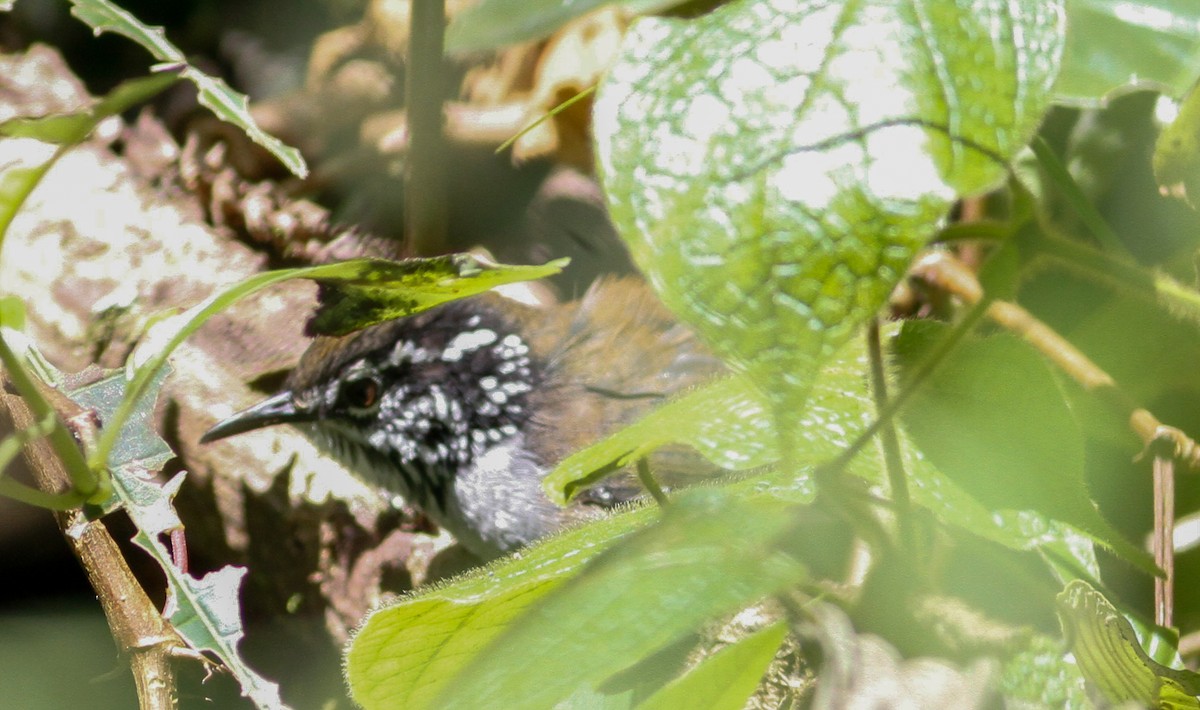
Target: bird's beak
280, 409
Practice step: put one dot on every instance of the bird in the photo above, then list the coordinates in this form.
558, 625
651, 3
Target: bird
464, 408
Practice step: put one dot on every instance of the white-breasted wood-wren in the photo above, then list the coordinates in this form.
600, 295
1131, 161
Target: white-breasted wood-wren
464, 408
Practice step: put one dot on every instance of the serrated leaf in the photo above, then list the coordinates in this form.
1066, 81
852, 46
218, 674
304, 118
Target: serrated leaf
494, 23
724, 681
1114, 45
1111, 658
225, 103
712, 553
356, 294
205, 611
1012, 448
774, 171
139, 445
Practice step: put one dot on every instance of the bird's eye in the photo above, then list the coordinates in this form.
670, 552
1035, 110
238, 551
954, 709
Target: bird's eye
359, 393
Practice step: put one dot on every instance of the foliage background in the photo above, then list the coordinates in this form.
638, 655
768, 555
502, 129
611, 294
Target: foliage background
1109, 151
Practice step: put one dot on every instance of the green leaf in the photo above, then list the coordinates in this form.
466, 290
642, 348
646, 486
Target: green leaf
421, 283
16, 183
636, 597
364, 292
72, 128
1111, 657
405, 654
774, 172
729, 423
726, 421
714, 552
1012, 448
215, 94
724, 681
1044, 675
494, 23
1114, 45
204, 610
1177, 152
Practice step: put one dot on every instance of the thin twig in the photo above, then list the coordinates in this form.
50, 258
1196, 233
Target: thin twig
1163, 540
136, 623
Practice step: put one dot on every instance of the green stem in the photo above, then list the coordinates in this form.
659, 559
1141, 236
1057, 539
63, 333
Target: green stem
651, 483
1079, 202
893, 463
31, 496
547, 116
425, 181
1179, 300
83, 479
918, 378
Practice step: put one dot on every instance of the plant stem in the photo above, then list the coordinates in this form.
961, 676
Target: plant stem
425, 183
893, 463
893, 406
1126, 277
83, 480
136, 623
1163, 540
651, 483
1079, 202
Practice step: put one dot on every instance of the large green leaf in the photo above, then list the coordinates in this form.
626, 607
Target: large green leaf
729, 423
725, 680
1011, 447
1044, 675
1118, 44
1112, 658
405, 654
714, 552
774, 170
464, 645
